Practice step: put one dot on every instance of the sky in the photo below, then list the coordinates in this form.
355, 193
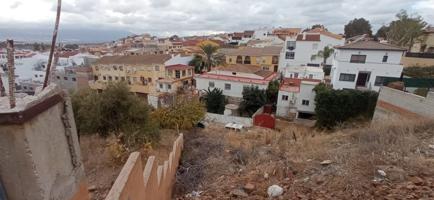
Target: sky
199, 17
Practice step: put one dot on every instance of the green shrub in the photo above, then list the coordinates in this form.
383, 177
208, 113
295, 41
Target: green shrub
215, 101
253, 99
337, 106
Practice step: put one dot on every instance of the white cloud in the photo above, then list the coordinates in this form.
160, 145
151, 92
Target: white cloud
182, 17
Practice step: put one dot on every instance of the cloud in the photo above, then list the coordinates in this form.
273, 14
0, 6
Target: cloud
15, 5
183, 17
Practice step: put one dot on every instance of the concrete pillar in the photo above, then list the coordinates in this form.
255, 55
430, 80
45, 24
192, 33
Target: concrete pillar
39, 150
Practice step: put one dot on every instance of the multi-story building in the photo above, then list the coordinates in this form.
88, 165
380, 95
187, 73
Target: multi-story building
425, 43
267, 58
238, 38
301, 50
296, 95
73, 78
233, 78
365, 65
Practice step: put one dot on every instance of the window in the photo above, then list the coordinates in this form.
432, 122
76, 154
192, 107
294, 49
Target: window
290, 55
310, 76
40, 75
265, 68
234, 73
284, 97
121, 68
169, 73
36, 76
157, 68
358, 59
110, 78
58, 77
275, 60
295, 75
230, 60
385, 58
94, 77
183, 73
123, 78
227, 86
116, 78
347, 77
115, 68
74, 79
291, 45
247, 60
65, 78
239, 60
305, 102
104, 78
169, 87
177, 74
150, 80
211, 84
379, 80
161, 86
189, 72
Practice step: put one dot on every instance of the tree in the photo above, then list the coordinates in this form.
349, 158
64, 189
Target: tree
209, 51
215, 101
272, 91
357, 27
319, 26
382, 32
253, 99
198, 63
406, 29
36, 47
325, 54
114, 111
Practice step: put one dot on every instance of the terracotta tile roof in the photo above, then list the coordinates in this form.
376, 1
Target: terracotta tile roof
238, 79
293, 84
371, 45
324, 32
264, 73
240, 68
135, 60
287, 31
309, 37
256, 51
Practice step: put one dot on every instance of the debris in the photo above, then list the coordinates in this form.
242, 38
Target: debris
381, 173
91, 188
326, 162
249, 187
239, 193
194, 194
274, 191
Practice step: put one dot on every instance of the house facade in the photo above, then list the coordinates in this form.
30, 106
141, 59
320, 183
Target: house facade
299, 50
365, 64
266, 57
425, 43
233, 78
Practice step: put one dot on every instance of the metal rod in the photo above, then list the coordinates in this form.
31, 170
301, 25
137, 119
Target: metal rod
11, 69
53, 44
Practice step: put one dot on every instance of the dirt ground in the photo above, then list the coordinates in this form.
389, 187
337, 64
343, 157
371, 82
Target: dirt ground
102, 170
307, 164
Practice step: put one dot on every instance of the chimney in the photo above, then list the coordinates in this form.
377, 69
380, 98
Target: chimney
304, 35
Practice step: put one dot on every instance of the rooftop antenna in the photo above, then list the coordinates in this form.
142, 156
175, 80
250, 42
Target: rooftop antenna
53, 44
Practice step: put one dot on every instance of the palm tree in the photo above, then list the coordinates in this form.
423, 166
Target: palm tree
406, 30
325, 54
209, 50
215, 100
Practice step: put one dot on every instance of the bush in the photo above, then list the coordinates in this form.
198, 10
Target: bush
337, 106
419, 72
215, 101
117, 111
185, 113
253, 99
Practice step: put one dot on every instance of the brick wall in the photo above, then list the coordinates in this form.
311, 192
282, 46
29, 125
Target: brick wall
151, 182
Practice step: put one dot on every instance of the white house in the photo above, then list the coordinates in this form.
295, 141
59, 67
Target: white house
298, 51
365, 65
296, 97
233, 78
240, 37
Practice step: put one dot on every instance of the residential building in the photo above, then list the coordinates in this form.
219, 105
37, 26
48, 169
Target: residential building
296, 95
365, 65
73, 78
301, 50
233, 78
425, 44
284, 33
140, 72
266, 57
238, 38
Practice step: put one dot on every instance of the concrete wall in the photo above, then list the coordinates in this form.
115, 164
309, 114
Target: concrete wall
236, 87
393, 102
422, 62
40, 155
152, 182
247, 122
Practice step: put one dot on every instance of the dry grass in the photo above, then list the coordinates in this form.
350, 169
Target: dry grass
291, 158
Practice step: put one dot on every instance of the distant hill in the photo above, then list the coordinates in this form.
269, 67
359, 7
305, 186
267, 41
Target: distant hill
66, 35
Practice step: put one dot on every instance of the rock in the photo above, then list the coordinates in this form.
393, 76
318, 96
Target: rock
239, 193
274, 191
266, 175
381, 173
249, 187
326, 162
91, 188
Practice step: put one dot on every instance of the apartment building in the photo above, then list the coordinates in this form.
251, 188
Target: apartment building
267, 58
365, 65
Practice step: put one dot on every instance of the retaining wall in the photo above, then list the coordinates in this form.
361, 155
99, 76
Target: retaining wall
422, 62
212, 117
153, 182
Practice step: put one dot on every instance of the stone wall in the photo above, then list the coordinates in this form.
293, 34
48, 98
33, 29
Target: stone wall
39, 151
151, 182
392, 102
211, 117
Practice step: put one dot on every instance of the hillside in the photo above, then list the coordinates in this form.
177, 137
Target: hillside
392, 160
